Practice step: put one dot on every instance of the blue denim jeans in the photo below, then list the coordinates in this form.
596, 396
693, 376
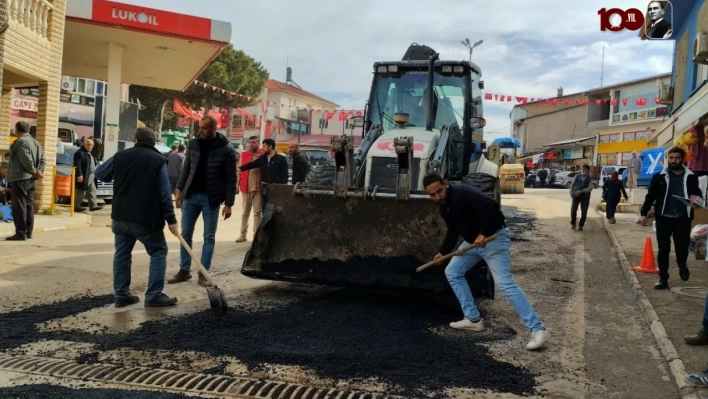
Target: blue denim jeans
496, 254
153, 238
191, 208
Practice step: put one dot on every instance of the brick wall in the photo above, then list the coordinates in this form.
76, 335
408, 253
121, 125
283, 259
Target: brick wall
38, 58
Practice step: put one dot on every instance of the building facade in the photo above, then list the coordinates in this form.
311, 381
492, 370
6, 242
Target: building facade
31, 56
686, 96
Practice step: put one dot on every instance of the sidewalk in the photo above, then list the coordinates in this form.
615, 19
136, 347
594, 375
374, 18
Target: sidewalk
671, 314
43, 223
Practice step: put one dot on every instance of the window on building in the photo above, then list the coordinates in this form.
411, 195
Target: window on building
701, 74
88, 87
629, 136
614, 138
611, 159
643, 135
324, 123
605, 138
242, 122
647, 91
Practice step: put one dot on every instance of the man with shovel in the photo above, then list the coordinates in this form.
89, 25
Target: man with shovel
142, 202
469, 212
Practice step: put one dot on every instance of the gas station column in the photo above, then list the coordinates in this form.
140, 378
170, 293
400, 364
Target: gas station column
111, 128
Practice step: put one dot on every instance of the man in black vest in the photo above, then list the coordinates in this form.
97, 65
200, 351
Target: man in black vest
142, 202
580, 190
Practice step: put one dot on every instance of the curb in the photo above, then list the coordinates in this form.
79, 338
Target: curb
53, 228
668, 351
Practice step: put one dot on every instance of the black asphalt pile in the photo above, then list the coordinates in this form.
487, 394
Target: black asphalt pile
375, 271
20, 327
521, 224
45, 391
345, 335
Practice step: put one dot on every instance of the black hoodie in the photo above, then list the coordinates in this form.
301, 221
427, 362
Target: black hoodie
220, 173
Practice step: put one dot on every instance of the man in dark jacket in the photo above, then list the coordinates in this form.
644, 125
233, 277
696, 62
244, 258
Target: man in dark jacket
85, 165
470, 213
142, 203
580, 190
542, 176
274, 167
673, 217
25, 167
207, 180
657, 27
301, 167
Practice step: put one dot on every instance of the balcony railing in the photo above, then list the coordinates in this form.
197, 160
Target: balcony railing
32, 14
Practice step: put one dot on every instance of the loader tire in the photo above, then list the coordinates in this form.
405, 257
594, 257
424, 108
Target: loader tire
320, 175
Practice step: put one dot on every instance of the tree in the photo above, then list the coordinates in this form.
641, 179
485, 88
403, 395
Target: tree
232, 70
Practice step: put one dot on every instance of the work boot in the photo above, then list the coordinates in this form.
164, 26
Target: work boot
613, 220
538, 339
29, 236
696, 340
16, 237
161, 301
181, 276
572, 226
202, 280
241, 238
126, 301
467, 324
684, 273
580, 228
661, 285
98, 208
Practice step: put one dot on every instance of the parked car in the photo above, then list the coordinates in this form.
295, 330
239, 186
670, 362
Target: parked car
65, 161
565, 179
316, 156
607, 171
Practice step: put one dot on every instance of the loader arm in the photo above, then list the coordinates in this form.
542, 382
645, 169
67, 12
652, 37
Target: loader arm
361, 154
438, 163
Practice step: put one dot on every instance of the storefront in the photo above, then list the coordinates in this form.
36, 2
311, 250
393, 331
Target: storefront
570, 154
616, 147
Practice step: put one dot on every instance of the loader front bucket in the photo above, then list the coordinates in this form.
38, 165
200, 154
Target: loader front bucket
317, 238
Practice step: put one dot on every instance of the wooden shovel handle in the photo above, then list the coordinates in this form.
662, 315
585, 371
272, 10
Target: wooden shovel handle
451, 254
194, 258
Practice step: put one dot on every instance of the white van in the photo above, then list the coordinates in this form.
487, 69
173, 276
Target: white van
607, 171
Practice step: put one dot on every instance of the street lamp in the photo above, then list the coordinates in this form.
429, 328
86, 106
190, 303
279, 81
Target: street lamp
467, 44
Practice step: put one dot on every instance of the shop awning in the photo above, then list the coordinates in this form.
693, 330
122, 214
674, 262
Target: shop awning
569, 142
160, 48
684, 118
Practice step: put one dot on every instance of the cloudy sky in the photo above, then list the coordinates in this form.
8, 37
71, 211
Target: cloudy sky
530, 47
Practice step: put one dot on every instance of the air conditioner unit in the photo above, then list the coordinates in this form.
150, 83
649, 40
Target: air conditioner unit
67, 84
666, 93
700, 48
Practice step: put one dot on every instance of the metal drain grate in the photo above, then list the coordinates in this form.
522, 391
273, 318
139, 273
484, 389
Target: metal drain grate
174, 380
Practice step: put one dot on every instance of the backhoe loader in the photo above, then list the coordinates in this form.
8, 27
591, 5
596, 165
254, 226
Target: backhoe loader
375, 224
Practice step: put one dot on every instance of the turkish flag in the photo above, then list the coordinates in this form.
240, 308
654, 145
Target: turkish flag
343, 116
586, 102
656, 100
329, 116
598, 102
487, 96
554, 102
613, 102
624, 102
566, 102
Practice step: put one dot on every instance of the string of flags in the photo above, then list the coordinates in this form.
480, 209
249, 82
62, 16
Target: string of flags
249, 98
640, 102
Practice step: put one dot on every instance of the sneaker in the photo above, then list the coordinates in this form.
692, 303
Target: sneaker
126, 301
181, 276
612, 220
241, 239
202, 281
538, 339
684, 273
580, 228
161, 301
16, 237
467, 324
697, 380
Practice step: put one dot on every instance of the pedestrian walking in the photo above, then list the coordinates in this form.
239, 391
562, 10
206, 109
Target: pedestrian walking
274, 167
142, 203
635, 168
207, 181
249, 185
699, 339
673, 218
26, 166
175, 164
580, 191
469, 212
301, 167
85, 165
542, 175
611, 192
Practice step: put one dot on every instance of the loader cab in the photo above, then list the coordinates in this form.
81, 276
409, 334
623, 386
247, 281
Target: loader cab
402, 87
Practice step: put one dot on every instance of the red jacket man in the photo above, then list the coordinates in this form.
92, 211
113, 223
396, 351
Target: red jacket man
249, 184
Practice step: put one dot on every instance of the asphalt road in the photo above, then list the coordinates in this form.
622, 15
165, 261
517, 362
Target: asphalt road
351, 340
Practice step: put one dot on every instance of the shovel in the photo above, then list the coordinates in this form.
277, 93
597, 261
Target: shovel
451, 254
217, 299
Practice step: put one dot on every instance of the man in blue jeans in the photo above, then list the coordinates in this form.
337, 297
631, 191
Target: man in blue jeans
142, 202
207, 180
469, 212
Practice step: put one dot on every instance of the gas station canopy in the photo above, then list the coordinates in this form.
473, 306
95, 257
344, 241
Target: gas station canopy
159, 48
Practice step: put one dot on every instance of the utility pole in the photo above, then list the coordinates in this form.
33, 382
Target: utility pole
602, 68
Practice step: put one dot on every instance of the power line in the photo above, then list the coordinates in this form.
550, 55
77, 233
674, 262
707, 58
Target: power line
496, 130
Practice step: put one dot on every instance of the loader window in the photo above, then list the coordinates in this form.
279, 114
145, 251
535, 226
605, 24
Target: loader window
407, 93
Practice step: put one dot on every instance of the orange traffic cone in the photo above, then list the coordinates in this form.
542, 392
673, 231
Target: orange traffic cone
648, 262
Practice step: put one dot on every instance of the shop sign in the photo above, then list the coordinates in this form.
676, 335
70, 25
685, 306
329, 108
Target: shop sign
588, 152
644, 114
567, 153
77, 99
576, 153
29, 91
24, 104
151, 19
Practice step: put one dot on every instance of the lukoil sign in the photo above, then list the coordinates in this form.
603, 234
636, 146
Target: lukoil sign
134, 16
